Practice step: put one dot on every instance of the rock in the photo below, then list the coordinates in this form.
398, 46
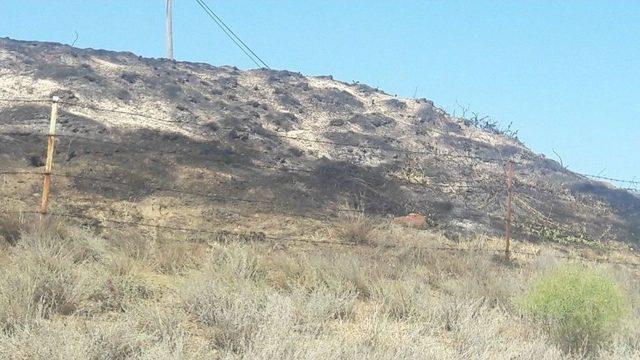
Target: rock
413, 220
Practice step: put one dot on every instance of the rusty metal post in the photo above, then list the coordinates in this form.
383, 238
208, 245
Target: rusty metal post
51, 142
507, 249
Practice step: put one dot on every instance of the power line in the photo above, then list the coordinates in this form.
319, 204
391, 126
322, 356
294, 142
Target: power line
233, 33
233, 36
633, 182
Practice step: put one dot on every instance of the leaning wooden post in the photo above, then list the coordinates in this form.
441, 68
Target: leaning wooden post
507, 249
44, 206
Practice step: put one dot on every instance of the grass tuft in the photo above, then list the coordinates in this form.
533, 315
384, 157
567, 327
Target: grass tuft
356, 229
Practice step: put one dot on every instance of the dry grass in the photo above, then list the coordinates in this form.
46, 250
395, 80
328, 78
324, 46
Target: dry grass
10, 229
65, 293
356, 229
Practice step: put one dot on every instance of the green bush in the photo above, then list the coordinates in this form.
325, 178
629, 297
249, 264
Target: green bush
578, 306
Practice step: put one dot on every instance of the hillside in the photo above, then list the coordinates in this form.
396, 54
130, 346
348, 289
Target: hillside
202, 212
266, 144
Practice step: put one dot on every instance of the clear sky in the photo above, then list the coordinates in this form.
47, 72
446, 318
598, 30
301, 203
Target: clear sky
566, 73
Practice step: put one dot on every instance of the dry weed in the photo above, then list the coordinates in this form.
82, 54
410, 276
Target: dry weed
39, 282
172, 257
66, 293
10, 231
356, 229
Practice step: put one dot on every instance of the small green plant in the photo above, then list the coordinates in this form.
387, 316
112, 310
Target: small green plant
578, 306
561, 235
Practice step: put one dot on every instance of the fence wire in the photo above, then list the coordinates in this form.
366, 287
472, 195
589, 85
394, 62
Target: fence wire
470, 184
257, 236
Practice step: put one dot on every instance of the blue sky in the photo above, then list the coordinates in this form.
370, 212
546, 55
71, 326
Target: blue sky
566, 73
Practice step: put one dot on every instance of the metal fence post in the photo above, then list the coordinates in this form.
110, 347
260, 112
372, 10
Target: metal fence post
507, 249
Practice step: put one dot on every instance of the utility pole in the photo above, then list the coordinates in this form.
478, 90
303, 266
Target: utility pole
170, 29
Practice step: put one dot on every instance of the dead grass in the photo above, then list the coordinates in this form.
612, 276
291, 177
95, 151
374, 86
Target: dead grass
10, 229
356, 229
38, 282
66, 293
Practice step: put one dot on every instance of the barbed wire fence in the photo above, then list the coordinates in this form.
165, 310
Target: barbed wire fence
509, 189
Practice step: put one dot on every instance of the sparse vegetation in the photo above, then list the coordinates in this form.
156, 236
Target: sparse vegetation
9, 231
580, 307
255, 161
485, 123
413, 171
66, 293
356, 229
559, 234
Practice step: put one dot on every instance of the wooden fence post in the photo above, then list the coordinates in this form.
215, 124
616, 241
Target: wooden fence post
44, 206
507, 249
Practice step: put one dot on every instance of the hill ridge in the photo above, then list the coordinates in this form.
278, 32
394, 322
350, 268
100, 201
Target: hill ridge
281, 118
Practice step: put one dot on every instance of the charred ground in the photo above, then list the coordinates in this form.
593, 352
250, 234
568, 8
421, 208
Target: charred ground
264, 141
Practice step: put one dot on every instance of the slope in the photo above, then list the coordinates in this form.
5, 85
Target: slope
262, 144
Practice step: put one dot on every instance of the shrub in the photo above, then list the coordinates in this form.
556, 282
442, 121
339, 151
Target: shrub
53, 340
176, 257
579, 307
357, 229
58, 239
35, 285
9, 231
228, 296
323, 304
115, 286
399, 299
115, 341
